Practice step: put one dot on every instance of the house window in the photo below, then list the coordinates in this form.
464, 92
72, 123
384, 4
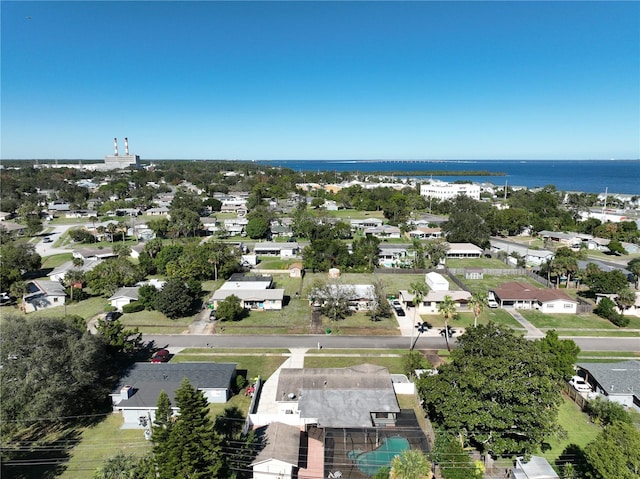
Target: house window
568, 306
550, 306
55, 300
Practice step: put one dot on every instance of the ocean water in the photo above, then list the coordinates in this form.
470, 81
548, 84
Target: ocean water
589, 176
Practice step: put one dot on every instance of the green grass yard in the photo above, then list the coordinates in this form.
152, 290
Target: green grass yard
574, 321
580, 430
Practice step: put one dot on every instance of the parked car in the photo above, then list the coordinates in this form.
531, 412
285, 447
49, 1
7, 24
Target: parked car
111, 316
161, 356
47, 240
400, 312
492, 303
579, 384
212, 316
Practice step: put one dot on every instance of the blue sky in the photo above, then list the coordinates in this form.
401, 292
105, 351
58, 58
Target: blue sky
321, 80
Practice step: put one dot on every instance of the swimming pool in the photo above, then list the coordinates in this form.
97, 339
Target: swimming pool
370, 462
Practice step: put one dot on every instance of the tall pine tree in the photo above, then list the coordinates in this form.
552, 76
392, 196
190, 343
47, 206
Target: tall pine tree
191, 447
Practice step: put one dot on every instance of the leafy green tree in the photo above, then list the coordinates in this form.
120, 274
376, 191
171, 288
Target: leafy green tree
193, 448
605, 412
174, 300
118, 339
184, 222
381, 307
230, 309
616, 247
161, 429
333, 297
148, 296
413, 360
607, 309
112, 274
436, 250
364, 254
453, 460
497, 392
606, 281
324, 254
166, 255
49, 358
258, 228
634, 267
16, 257
562, 354
410, 464
614, 453
447, 308
625, 299
160, 226
466, 222
123, 466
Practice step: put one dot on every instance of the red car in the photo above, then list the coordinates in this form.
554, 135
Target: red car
160, 356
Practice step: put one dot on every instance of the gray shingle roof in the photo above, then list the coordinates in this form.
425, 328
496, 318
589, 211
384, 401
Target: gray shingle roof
616, 378
148, 379
281, 442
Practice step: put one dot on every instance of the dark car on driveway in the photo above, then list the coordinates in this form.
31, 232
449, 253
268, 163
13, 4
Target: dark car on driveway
111, 316
400, 312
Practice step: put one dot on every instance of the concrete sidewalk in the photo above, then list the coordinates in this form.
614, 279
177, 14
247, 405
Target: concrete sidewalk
532, 331
268, 404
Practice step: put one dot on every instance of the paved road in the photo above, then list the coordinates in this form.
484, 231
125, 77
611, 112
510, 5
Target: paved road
354, 342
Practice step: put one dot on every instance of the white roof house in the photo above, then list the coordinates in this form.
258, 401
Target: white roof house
536, 468
463, 250
284, 250
124, 296
42, 294
254, 299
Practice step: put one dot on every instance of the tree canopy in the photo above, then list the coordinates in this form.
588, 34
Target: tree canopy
51, 368
497, 391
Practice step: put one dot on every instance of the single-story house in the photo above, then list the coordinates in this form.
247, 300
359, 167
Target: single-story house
618, 382
431, 301
632, 311
536, 467
526, 296
463, 250
94, 253
124, 296
159, 211
254, 299
395, 255
384, 231
279, 456
209, 224
81, 214
235, 226
284, 250
570, 240
361, 297
351, 397
248, 282
136, 250
136, 393
362, 224
424, 232
13, 228
59, 272
42, 294
532, 257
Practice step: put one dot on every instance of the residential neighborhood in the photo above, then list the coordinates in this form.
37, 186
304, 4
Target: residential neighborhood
135, 261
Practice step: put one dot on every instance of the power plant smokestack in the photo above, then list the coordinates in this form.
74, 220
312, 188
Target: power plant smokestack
126, 146
115, 146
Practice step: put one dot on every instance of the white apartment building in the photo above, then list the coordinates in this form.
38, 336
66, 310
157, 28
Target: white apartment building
446, 191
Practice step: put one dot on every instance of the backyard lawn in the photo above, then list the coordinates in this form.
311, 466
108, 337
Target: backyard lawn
53, 261
492, 282
580, 430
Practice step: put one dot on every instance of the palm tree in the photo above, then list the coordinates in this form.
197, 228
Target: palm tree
447, 308
112, 229
478, 302
418, 290
410, 464
72, 278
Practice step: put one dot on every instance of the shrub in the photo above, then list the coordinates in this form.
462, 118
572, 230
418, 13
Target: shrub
133, 307
607, 309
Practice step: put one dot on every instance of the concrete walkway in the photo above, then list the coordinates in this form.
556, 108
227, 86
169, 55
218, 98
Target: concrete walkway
268, 404
532, 331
